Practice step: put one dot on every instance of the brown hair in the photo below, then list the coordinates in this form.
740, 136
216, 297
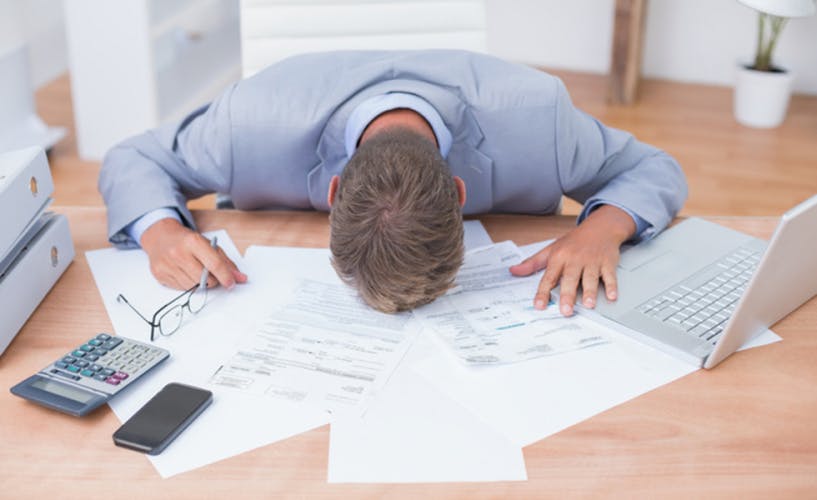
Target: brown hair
396, 224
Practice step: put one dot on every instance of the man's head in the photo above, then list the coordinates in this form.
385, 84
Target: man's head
396, 221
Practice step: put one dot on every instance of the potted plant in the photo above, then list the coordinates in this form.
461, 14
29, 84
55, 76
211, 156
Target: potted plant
762, 89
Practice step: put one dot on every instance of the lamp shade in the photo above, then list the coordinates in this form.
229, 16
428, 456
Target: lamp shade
783, 8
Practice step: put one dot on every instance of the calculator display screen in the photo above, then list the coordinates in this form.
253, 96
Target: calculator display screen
63, 390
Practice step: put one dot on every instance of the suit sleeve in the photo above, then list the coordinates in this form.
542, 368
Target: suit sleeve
602, 165
167, 166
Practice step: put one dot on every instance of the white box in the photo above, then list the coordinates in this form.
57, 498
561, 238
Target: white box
32, 274
25, 188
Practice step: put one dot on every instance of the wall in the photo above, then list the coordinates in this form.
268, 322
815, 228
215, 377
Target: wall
39, 23
688, 40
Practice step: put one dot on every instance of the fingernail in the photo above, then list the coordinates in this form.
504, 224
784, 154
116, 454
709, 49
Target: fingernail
612, 295
539, 304
589, 302
566, 310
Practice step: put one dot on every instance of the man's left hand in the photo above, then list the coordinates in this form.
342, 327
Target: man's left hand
584, 256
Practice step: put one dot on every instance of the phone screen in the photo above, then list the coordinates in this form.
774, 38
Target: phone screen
157, 423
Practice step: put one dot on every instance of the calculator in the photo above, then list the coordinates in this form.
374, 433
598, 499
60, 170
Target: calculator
91, 374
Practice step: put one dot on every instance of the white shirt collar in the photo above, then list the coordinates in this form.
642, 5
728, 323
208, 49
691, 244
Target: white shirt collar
371, 108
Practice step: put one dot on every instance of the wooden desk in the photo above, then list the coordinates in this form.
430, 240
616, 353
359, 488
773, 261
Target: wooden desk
746, 429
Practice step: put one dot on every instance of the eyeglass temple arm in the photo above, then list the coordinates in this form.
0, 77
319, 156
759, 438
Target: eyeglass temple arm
121, 298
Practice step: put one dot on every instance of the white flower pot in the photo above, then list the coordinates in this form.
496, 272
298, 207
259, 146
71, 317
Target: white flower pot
761, 97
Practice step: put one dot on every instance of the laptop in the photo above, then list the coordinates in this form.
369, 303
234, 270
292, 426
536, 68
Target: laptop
700, 291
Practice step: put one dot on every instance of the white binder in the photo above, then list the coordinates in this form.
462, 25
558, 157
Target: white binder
25, 188
32, 274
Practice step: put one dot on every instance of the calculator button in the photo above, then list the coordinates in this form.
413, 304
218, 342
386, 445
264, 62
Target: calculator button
92, 357
113, 381
95, 342
74, 368
100, 377
107, 372
78, 354
110, 344
95, 368
68, 360
100, 351
87, 348
66, 375
103, 336
87, 373
81, 363
120, 375
61, 364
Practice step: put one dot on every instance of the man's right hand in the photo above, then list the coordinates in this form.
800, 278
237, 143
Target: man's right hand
178, 255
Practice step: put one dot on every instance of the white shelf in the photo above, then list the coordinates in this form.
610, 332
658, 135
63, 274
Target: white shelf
165, 15
200, 69
138, 63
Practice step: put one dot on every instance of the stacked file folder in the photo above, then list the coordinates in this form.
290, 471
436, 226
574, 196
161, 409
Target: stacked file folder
35, 245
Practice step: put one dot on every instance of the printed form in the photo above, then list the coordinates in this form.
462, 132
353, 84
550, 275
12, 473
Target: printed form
488, 317
324, 349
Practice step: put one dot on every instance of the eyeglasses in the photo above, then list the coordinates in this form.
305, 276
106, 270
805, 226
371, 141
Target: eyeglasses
168, 318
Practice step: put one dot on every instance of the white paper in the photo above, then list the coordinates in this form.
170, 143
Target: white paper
128, 272
234, 423
532, 400
490, 318
325, 349
437, 420
487, 267
414, 433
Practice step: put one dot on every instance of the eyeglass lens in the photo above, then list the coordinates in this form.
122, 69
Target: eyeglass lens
172, 319
197, 299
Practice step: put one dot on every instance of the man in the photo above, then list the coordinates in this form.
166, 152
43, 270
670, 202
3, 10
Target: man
399, 145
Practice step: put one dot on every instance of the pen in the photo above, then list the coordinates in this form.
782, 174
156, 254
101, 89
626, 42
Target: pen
204, 272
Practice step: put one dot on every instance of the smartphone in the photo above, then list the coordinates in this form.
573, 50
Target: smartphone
162, 418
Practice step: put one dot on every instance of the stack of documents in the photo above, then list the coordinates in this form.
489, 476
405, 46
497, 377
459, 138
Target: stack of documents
35, 245
451, 392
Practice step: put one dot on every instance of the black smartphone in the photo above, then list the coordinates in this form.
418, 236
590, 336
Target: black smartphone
162, 418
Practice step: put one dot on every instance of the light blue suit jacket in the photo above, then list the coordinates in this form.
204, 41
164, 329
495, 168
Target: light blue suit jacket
275, 140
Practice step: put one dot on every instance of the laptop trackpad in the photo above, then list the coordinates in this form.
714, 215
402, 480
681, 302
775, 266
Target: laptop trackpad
641, 278
638, 257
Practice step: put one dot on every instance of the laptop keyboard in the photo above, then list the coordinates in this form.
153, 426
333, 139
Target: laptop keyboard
702, 304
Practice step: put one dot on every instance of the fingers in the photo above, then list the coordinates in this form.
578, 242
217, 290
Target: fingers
166, 273
212, 281
189, 270
237, 274
219, 266
217, 263
608, 275
532, 264
590, 286
179, 262
567, 292
546, 284
581, 258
